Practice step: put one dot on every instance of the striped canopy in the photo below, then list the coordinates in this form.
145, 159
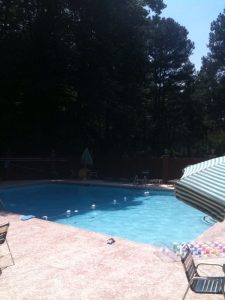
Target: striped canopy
203, 186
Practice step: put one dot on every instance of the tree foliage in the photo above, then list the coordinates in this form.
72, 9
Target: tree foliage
110, 74
210, 89
171, 80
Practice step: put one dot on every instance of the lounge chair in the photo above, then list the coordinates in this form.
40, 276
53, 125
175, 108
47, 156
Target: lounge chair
93, 174
201, 284
172, 182
141, 181
156, 181
3, 233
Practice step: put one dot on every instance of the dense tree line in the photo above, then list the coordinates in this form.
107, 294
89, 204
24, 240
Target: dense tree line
110, 74
210, 89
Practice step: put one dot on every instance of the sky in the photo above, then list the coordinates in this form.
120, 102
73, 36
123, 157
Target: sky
196, 16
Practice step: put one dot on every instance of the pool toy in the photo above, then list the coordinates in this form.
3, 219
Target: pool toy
200, 249
26, 217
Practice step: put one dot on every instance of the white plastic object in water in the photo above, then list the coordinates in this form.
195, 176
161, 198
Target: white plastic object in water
68, 212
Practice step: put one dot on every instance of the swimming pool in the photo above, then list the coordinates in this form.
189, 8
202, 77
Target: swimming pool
148, 216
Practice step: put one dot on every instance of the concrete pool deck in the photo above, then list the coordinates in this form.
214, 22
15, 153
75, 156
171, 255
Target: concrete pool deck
57, 262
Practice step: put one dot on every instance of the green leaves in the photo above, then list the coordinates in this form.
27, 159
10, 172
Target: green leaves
155, 5
99, 72
210, 89
170, 82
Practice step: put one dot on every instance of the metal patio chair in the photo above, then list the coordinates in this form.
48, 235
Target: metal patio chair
3, 240
201, 284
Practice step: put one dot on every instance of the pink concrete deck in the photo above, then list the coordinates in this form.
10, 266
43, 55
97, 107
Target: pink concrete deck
58, 262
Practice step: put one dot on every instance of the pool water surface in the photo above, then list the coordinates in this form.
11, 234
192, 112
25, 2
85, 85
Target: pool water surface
148, 216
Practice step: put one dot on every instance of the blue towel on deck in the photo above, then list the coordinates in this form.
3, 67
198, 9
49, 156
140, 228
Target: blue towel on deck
26, 217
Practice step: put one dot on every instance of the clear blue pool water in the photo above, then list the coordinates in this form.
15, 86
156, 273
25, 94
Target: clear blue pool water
146, 216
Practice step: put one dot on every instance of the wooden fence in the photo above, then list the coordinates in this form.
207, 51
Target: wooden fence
13, 168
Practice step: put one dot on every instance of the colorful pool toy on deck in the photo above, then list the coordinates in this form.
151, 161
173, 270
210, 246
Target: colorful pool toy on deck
200, 248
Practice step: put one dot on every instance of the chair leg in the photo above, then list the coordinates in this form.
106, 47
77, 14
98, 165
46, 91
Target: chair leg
10, 252
185, 294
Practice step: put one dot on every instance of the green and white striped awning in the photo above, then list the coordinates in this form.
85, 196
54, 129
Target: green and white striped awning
203, 186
